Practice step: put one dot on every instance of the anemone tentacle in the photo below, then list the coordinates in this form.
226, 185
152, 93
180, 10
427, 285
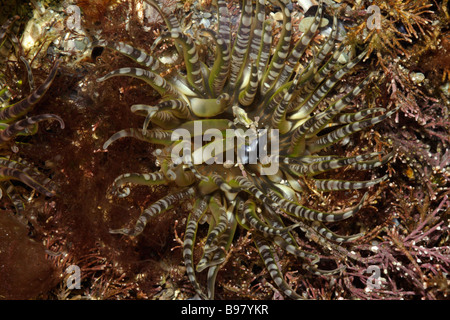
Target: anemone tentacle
14, 123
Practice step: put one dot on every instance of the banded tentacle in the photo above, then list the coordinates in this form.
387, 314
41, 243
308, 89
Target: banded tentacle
19, 109
148, 179
22, 125
14, 123
197, 213
154, 209
268, 256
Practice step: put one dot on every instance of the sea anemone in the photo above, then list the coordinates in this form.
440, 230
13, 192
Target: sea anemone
252, 96
13, 124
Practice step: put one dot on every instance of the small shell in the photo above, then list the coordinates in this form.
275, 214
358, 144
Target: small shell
417, 77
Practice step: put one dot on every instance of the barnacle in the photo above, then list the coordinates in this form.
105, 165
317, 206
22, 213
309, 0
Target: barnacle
259, 96
13, 123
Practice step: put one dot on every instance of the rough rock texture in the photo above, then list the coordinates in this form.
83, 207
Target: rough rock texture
24, 270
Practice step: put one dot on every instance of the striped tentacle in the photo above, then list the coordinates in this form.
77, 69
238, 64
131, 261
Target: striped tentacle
220, 215
172, 108
321, 164
197, 213
154, 80
346, 118
223, 185
300, 211
147, 179
264, 52
279, 116
221, 234
339, 134
241, 219
223, 17
220, 69
137, 55
275, 221
321, 229
178, 107
29, 73
158, 207
171, 21
314, 158
295, 250
247, 96
281, 51
330, 185
191, 59
27, 169
212, 275
298, 138
284, 240
321, 272
163, 117
330, 113
20, 108
299, 96
220, 255
156, 136
327, 46
250, 187
250, 215
271, 102
318, 164
13, 173
257, 30
321, 70
268, 255
315, 77
331, 63
299, 48
177, 173
311, 102
240, 46
205, 261
375, 163
19, 126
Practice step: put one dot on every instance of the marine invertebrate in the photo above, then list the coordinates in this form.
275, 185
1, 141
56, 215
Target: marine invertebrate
13, 124
269, 95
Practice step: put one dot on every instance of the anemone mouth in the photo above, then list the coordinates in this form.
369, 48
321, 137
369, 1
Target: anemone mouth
250, 87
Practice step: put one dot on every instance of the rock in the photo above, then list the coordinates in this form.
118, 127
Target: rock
24, 270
